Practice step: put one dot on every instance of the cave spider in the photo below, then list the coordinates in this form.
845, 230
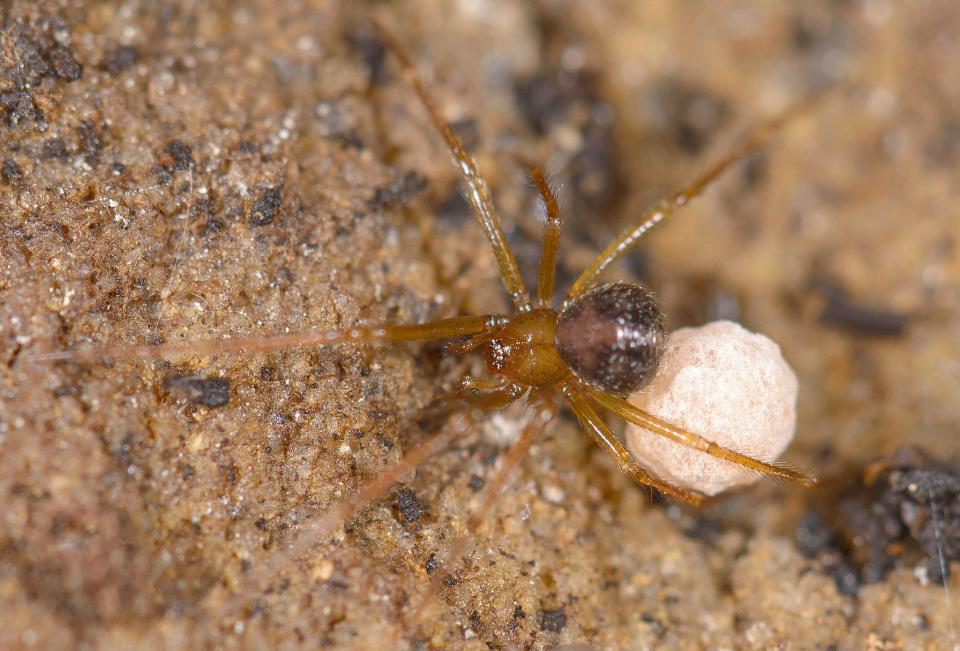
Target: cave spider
602, 343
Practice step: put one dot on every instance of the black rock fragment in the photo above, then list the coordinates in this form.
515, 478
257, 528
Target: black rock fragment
265, 207
901, 508
121, 58
64, 64
553, 621
181, 155
408, 505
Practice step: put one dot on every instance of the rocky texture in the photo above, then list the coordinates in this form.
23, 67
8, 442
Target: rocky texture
183, 169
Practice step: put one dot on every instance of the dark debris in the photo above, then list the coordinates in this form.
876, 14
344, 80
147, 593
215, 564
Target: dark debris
64, 64
840, 310
91, 143
372, 52
11, 172
408, 505
265, 207
571, 99
553, 620
476, 483
455, 210
690, 115
18, 108
36, 52
181, 156
121, 58
400, 191
815, 539
902, 507
656, 625
207, 391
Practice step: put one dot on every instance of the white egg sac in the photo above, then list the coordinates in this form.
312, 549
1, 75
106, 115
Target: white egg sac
726, 384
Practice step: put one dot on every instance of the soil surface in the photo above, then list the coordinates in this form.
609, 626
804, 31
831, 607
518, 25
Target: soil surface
187, 169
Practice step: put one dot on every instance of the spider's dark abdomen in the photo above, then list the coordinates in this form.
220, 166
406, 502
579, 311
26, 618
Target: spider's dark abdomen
612, 336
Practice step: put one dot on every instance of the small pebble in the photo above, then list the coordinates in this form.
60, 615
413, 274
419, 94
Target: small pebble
553, 494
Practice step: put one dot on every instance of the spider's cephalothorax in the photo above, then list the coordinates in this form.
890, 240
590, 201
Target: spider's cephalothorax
524, 349
612, 336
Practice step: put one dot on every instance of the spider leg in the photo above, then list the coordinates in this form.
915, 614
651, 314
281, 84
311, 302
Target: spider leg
651, 423
313, 531
485, 500
442, 329
537, 424
595, 426
316, 529
551, 237
476, 394
477, 190
667, 206
483, 394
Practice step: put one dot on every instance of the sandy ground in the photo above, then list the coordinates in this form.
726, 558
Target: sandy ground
179, 170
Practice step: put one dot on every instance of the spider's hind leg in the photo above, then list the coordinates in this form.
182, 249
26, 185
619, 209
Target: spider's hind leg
485, 501
322, 525
607, 441
653, 424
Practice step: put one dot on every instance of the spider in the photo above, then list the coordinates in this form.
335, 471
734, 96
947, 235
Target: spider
601, 343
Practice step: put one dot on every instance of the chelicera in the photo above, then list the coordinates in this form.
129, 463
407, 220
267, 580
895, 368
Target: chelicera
598, 345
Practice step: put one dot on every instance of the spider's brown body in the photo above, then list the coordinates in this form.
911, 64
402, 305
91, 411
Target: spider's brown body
603, 342
610, 338
524, 349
